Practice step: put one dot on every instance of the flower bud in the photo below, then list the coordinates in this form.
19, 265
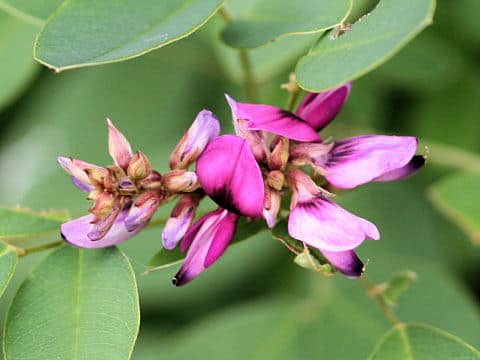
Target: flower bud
180, 181
97, 175
118, 146
279, 156
180, 220
204, 128
104, 203
271, 206
152, 181
142, 210
276, 179
139, 167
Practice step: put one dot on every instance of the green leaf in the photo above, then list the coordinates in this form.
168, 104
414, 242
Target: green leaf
268, 20
21, 223
8, 262
422, 342
456, 197
81, 33
33, 12
369, 43
166, 258
77, 304
17, 67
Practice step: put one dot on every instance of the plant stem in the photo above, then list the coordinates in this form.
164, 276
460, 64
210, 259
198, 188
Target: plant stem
372, 292
249, 82
25, 251
291, 100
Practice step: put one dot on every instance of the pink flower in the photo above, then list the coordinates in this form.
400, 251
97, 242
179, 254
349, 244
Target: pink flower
314, 218
206, 241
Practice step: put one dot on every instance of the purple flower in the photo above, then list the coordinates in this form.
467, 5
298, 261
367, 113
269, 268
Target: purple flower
203, 129
125, 195
314, 218
206, 241
319, 222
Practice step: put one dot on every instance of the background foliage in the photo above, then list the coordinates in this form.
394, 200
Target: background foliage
255, 303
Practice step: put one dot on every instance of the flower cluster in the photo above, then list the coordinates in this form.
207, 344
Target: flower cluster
274, 153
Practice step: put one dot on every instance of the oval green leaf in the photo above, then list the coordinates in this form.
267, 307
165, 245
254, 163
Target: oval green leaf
17, 67
456, 197
422, 342
8, 262
21, 223
268, 20
33, 12
81, 33
370, 42
77, 304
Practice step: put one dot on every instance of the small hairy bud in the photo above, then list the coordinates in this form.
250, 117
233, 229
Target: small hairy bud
139, 167
180, 181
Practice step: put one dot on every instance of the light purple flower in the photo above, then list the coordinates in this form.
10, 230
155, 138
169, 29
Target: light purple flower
206, 241
357, 160
201, 132
319, 222
180, 220
125, 195
76, 232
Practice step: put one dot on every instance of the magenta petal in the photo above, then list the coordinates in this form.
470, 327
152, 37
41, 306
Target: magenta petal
358, 160
323, 224
415, 164
208, 238
272, 119
319, 109
230, 175
347, 262
76, 168
75, 232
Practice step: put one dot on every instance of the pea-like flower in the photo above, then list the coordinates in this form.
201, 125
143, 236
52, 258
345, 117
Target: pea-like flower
128, 193
247, 174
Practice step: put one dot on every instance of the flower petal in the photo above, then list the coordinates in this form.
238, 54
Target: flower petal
180, 220
75, 232
272, 119
347, 262
76, 168
358, 160
230, 175
208, 238
81, 185
325, 225
205, 128
415, 164
118, 147
319, 109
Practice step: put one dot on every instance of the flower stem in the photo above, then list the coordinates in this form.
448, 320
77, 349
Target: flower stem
292, 87
26, 251
372, 292
249, 81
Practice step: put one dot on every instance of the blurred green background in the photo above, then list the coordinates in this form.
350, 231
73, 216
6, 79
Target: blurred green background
255, 302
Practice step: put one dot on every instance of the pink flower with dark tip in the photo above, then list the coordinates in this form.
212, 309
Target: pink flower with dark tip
314, 218
206, 242
229, 174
